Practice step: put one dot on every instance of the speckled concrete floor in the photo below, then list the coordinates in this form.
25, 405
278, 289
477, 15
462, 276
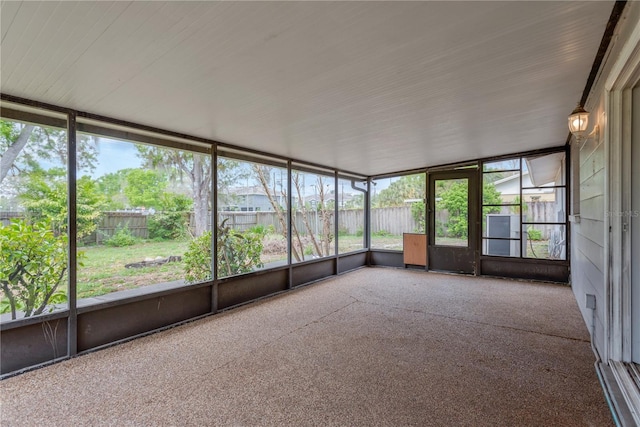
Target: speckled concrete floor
376, 347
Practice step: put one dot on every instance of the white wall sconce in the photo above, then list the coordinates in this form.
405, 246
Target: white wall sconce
579, 124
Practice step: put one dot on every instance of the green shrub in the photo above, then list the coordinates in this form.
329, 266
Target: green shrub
167, 225
534, 234
381, 233
197, 259
418, 214
173, 221
343, 231
33, 263
122, 237
238, 253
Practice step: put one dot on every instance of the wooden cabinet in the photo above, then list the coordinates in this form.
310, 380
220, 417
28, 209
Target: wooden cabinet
415, 249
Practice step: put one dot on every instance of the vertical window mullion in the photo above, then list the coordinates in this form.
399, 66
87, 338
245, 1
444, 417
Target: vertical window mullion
72, 232
214, 228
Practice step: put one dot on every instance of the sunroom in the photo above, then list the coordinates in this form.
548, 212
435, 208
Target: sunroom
163, 162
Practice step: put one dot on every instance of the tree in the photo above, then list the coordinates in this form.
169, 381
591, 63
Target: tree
45, 198
238, 252
14, 139
356, 202
24, 147
408, 187
33, 263
145, 187
112, 187
262, 174
490, 196
172, 221
321, 243
455, 199
195, 167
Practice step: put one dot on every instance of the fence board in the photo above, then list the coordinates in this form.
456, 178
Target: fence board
111, 222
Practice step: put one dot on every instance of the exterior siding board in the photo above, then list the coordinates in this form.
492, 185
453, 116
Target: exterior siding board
587, 264
592, 186
593, 208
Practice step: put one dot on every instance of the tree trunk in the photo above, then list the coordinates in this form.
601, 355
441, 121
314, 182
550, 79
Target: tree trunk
305, 218
9, 156
279, 212
201, 196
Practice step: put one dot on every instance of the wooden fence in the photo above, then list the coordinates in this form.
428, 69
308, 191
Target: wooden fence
351, 221
111, 222
395, 221
7, 216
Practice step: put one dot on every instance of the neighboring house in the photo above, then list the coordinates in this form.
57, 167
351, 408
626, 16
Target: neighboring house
248, 199
509, 188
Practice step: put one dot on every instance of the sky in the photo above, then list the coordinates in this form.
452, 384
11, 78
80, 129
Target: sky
115, 155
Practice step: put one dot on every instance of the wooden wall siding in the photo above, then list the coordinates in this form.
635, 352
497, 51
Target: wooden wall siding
588, 240
589, 236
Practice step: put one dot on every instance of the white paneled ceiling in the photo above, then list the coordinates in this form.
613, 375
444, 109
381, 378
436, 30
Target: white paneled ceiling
369, 87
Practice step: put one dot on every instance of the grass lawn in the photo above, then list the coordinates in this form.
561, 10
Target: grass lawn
102, 270
389, 242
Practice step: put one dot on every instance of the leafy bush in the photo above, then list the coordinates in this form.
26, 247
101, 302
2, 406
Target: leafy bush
167, 225
122, 237
238, 253
33, 263
381, 233
534, 234
343, 231
173, 221
197, 259
418, 213
45, 197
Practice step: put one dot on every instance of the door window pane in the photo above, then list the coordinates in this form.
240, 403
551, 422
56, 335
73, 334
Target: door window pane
452, 212
544, 204
544, 241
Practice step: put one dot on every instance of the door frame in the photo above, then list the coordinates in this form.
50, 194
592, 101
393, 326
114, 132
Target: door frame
452, 252
624, 76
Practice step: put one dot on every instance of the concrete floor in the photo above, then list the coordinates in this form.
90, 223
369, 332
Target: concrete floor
376, 347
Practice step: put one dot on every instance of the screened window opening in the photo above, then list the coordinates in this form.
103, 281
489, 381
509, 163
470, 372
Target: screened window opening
351, 215
34, 225
397, 207
524, 207
313, 215
150, 217
252, 216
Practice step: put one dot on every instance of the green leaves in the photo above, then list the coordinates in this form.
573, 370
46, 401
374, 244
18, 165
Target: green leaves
45, 197
405, 188
238, 252
33, 263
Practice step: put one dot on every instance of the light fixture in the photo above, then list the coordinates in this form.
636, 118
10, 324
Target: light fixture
578, 122
579, 125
